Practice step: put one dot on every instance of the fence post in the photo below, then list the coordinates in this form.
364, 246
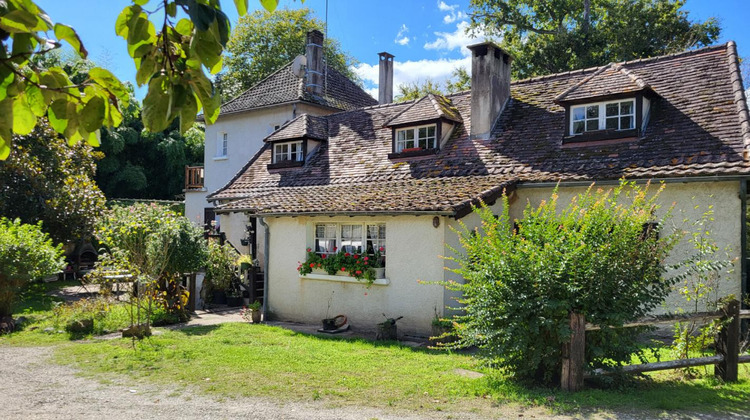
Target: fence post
728, 343
574, 355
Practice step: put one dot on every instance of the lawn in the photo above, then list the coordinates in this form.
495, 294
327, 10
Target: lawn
239, 360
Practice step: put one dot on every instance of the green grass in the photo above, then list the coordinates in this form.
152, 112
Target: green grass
35, 304
237, 360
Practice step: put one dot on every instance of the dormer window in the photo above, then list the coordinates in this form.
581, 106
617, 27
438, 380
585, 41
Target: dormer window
288, 152
614, 115
416, 138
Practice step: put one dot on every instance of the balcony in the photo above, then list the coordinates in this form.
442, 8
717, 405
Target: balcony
193, 178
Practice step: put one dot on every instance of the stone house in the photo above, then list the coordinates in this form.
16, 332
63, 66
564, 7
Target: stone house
402, 175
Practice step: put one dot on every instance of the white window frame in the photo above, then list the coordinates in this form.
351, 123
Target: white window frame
430, 141
289, 155
222, 145
338, 240
602, 117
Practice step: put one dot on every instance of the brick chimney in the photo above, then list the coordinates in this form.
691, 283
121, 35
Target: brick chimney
314, 56
490, 86
385, 85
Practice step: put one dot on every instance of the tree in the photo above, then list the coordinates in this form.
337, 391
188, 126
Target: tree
263, 42
552, 36
460, 81
141, 164
171, 61
46, 180
599, 257
26, 253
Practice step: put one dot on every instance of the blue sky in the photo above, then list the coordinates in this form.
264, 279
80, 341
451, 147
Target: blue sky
426, 37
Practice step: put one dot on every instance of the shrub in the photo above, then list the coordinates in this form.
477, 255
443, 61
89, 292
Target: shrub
26, 253
220, 267
156, 245
593, 257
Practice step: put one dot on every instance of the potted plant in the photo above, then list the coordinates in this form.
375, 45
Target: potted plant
362, 266
234, 298
244, 261
251, 313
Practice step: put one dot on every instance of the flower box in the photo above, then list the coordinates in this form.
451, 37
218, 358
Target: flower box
320, 274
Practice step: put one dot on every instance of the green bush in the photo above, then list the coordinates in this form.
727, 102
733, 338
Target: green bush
156, 245
599, 256
221, 265
26, 253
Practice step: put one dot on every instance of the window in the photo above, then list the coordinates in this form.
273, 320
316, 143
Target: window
283, 152
615, 115
355, 238
221, 144
416, 138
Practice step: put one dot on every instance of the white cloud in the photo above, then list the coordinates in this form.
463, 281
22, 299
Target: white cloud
449, 41
411, 71
443, 7
401, 38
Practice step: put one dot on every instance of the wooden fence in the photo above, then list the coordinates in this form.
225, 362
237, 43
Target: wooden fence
726, 360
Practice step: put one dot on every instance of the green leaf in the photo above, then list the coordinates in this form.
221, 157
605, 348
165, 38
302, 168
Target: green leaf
171, 9
93, 138
92, 115
156, 105
23, 46
19, 20
203, 89
24, 119
208, 49
36, 100
66, 33
241, 6
201, 15
6, 125
146, 69
57, 114
123, 20
141, 2
6, 78
108, 81
188, 112
269, 5
184, 27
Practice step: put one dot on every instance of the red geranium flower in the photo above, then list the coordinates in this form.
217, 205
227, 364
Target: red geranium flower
343, 268
356, 256
366, 258
309, 249
382, 249
323, 256
357, 272
312, 265
347, 254
335, 249
365, 262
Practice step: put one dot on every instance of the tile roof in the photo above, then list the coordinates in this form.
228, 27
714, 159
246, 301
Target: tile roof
283, 86
697, 127
611, 79
305, 125
427, 108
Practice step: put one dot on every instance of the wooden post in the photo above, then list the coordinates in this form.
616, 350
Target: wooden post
574, 355
728, 344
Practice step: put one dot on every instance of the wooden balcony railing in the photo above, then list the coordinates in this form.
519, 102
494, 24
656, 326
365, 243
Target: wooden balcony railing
193, 177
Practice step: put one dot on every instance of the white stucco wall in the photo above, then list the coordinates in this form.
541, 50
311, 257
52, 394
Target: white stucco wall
413, 248
691, 201
245, 134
